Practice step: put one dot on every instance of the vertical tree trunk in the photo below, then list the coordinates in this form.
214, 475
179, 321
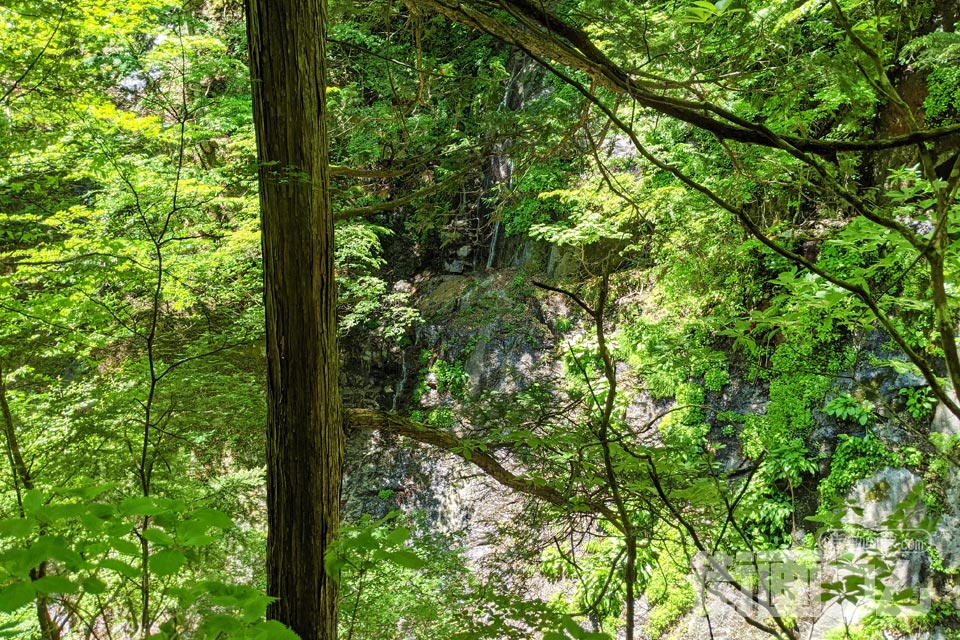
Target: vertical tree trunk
304, 430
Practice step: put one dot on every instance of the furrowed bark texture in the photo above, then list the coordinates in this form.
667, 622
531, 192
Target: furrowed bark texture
304, 431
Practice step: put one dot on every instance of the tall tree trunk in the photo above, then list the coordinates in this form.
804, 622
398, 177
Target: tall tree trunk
304, 421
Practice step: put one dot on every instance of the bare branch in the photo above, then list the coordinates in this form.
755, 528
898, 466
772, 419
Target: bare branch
369, 419
577, 299
407, 199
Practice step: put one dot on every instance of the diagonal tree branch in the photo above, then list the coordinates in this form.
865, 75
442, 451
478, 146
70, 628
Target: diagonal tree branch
369, 419
860, 291
358, 212
545, 35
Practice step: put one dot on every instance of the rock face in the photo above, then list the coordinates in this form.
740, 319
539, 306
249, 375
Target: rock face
946, 539
505, 339
883, 545
498, 333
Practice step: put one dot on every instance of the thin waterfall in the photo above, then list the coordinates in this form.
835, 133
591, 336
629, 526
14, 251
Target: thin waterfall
503, 174
501, 166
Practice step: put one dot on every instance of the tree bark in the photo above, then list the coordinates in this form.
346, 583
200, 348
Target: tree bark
304, 430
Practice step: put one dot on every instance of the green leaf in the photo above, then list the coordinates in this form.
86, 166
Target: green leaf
333, 563
16, 527
198, 541
158, 536
212, 518
92, 523
256, 609
126, 547
15, 596
397, 536
273, 630
93, 585
366, 541
217, 625
193, 533
139, 506
120, 567
91, 492
167, 562
32, 501
55, 584
53, 513
51, 547
102, 511
407, 559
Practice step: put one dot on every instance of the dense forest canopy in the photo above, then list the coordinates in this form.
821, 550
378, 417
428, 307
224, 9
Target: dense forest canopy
724, 235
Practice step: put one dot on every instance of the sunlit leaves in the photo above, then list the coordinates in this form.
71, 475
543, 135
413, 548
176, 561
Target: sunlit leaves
703, 11
101, 548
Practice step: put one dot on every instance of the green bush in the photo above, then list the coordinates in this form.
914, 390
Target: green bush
686, 427
854, 459
670, 593
716, 379
920, 401
846, 407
